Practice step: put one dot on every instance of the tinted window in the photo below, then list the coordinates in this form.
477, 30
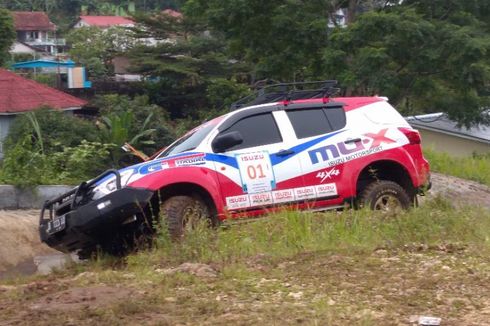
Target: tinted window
336, 117
318, 121
256, 130
309, 122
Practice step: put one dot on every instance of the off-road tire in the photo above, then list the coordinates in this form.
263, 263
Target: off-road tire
183, 212
384, 195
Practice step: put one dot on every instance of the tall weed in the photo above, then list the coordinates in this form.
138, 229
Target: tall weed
476, 167
290, 232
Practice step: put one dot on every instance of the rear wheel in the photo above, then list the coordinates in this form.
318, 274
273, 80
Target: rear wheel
385, 196
183, 213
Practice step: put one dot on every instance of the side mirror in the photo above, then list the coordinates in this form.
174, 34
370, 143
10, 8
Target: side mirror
226, 141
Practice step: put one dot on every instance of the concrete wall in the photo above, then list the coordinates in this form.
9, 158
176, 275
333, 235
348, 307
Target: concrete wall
455, 146
16, 198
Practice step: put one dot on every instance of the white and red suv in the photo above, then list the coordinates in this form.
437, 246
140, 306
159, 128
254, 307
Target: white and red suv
303, 150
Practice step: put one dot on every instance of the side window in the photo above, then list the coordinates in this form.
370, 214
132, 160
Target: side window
336, 117
256, 130
318, 121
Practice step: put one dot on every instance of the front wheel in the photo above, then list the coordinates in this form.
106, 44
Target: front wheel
185, 212
385, 196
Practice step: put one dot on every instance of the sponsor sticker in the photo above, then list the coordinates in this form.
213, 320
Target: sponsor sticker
237, 202
304, 193
283, 196
191, 160
326, 190
261, 199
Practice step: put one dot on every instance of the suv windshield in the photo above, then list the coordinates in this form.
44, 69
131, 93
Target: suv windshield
190, 140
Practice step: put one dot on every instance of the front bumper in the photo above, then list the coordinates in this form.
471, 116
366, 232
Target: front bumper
75, 223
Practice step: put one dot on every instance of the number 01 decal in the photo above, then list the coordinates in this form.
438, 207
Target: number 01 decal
256, 172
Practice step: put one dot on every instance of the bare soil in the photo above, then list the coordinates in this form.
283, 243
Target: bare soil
19, 240
460, 192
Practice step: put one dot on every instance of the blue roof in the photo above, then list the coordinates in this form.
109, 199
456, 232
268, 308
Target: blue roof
43, 64
439, 122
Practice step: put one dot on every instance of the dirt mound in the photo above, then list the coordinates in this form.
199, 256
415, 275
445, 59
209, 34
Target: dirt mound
19, 238
460, 192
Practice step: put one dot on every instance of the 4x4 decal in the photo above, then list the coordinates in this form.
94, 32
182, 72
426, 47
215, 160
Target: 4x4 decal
327, 174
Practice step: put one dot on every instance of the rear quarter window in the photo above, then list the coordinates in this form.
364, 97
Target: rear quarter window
316, 121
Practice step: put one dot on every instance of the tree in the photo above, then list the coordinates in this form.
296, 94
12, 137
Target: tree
183, 66
281, 39
94, 48
30, 5
422, 64
7, 34
425, 55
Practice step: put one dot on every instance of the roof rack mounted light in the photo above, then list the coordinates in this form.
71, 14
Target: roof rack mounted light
287, 92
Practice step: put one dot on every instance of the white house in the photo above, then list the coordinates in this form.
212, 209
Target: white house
37, 31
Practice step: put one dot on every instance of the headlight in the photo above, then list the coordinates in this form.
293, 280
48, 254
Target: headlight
110, 185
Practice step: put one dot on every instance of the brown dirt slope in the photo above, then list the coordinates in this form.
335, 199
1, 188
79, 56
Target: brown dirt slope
19, 238
460, 192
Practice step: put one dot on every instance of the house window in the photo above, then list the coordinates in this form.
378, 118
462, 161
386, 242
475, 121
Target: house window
33, 35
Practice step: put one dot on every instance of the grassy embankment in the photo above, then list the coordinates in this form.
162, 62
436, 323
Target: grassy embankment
476, 168
353, 267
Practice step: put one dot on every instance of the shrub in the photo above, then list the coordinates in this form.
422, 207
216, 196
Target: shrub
58, 130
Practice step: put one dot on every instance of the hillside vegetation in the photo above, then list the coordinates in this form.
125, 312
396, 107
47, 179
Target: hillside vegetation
352, 267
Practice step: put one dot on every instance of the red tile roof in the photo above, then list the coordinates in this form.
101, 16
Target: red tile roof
18, 94
106, 21
32, 21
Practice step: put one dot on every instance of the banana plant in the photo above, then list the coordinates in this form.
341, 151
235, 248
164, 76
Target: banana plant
119, 129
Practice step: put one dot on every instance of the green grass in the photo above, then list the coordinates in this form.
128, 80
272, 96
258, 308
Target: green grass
290, 232
476, 167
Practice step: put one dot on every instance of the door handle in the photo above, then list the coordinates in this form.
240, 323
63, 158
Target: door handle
350, 141
285, 152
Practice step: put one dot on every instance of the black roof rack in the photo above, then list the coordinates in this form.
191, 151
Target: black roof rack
287, 92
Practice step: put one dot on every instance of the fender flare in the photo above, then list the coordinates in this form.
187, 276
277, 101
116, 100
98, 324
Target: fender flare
399, 157
200, 176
